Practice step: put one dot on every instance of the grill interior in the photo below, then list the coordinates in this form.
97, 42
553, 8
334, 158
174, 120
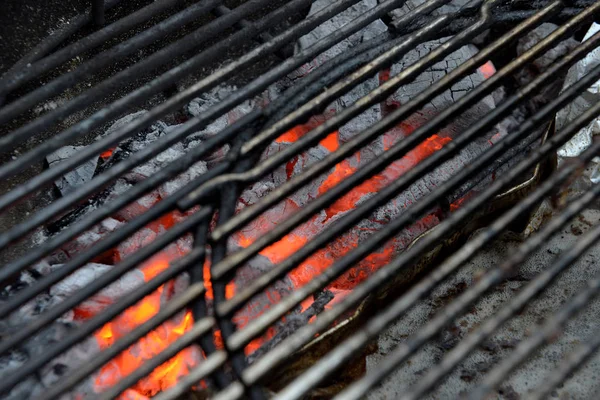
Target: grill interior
169, 56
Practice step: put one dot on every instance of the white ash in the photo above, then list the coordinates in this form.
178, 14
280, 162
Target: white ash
532, 374
582, 139
372, 30
123, 121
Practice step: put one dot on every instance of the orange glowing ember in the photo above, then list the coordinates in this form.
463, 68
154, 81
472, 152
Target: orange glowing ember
487, 70
152, 344
105, 155
159, 339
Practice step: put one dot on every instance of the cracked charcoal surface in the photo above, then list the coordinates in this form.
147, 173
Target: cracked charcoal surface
250, 196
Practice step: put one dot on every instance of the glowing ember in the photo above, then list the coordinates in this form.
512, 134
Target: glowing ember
487, 69
105, 155
152, 344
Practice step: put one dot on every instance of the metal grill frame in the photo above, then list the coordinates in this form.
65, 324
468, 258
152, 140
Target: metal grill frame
218, 190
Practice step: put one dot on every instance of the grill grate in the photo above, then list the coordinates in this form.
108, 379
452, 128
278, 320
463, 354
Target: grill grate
226, 370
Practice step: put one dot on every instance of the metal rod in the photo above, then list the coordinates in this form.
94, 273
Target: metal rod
99, 62
193, 125
11, 81
90, 326
402, 352
568, 366
380, 277
386, 194
345, 150
547, 332
377, 95
177, 134
524, 297
49, 44
127, 264
166, 79
167, 311
348, 348
96, 216
345, 351
374, 131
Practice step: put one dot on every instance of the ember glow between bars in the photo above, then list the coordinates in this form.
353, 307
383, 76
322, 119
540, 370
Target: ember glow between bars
167, 375
158, 340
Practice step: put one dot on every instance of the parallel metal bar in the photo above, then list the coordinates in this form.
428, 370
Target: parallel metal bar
546, 333
96, 216
402, 352
139, 95
345, 351
307, 141
568, 366
137, 191
11, 81
527, 294
386, 194
120, 269
50, 43
348, 149
187, 340
194, 124
176, 135
167, 311
92, 325
258, 370
344, 151
95, 64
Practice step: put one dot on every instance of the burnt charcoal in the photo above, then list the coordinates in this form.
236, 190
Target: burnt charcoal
292, 323
91, 237
372, 30
553, 87
75, 178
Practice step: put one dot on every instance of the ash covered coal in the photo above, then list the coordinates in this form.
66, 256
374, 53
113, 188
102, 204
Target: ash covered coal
276, 253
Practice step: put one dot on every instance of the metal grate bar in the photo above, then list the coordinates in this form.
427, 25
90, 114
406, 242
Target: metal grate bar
106, 316
11, 81
568, 366
548, 330
228, 369
173, 307
305, 334
259, 324
49, 44
400, 354
123, 267
526, 295
218, 77
190, 338
98, 62
326, 199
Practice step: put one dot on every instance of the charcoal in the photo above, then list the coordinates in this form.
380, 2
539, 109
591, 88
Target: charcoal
88, 274
91, 237
75, 178
372, 30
